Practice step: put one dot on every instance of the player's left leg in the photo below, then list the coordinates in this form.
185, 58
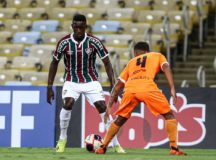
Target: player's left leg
111, 132
171, 128
158, 104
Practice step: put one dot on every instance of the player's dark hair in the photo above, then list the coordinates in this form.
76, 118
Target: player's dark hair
141, 46
79, 17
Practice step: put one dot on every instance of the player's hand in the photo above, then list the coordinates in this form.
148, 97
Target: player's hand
50, 95
173, 94
106, 116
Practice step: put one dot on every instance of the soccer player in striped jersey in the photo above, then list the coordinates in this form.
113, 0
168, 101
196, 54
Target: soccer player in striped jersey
79, 51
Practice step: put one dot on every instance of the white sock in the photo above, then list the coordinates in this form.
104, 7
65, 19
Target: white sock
115, 139
65, 116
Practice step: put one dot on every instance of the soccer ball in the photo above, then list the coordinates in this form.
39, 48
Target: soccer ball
92, 142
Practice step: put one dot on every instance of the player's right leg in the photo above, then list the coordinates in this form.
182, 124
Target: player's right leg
126, 107
94, 93
69, 96
64, 117
101, 107
112, 131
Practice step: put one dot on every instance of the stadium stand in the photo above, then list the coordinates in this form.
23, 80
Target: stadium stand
139, 4
107, 4
32, 14
3, 62
17, 25
93, 14
25, 63
5, 36
50, 3
35, 78
7, 13
183, 30
20, 3
45, 26
52, 37
8, 75
135, 28
27, 37
152, 17
11, 50
167, 5
62, 14
79, 4
106, 27
121, 14
174, 34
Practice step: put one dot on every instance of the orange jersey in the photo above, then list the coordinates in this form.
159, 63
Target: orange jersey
140, 72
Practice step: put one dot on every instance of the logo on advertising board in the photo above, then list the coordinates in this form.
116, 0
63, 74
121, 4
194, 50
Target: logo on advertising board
26, 120
144, 130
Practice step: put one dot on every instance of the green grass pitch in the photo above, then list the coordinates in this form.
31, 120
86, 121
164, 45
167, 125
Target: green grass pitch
82, 154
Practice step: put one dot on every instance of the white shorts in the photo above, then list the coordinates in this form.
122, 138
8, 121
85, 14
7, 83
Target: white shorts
92, 91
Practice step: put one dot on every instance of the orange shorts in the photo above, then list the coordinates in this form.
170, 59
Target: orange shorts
155, 101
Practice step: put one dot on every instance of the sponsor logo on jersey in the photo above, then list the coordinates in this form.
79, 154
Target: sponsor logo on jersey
62, 45
97, 42
70, 52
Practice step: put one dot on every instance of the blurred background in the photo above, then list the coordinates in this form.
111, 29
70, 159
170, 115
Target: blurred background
183, 30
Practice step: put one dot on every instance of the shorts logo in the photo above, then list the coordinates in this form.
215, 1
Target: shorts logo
89, 50
64, 92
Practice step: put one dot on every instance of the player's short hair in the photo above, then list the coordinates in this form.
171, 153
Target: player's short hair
141, 46
79, 17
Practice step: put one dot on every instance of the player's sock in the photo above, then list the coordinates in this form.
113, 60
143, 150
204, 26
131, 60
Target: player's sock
171, 128
115, 139
65, 116
111, 132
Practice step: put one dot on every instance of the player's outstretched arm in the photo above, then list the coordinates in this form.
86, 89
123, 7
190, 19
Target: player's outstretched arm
168, 74
109, 71
113, 97
51, 76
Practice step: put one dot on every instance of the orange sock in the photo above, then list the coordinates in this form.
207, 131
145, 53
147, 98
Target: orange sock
171, 128
113, 129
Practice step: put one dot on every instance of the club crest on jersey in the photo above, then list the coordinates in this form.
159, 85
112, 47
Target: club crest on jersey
89, 50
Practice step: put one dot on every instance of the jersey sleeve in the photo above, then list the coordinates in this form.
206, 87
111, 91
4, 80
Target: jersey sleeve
101, 49
59, 51
163, 61
124, 75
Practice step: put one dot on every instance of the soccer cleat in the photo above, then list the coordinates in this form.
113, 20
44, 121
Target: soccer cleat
60, 147
176, 152
118, 149
101, 150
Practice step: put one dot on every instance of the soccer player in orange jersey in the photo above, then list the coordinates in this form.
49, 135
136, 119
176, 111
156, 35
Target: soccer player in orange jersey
137, 78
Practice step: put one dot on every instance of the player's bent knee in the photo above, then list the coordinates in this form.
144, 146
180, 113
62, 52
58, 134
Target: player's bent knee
168, 115
101, 106
68, 103
120, 120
